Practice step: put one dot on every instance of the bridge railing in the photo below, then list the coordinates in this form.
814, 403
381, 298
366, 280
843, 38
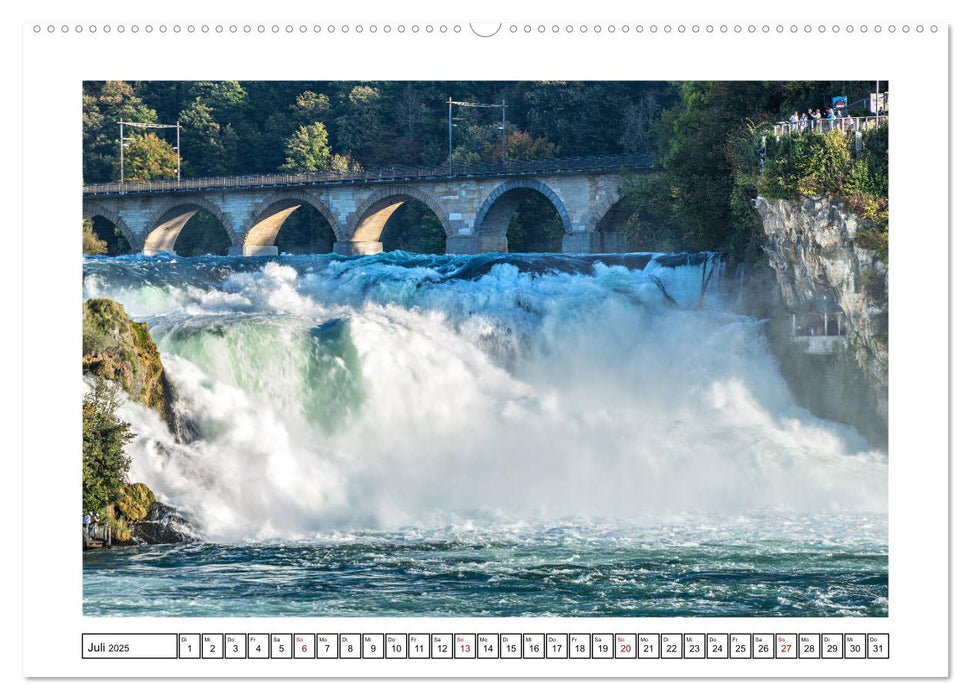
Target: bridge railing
384, 174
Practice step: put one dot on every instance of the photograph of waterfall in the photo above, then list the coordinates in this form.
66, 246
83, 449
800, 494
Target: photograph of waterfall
485, 348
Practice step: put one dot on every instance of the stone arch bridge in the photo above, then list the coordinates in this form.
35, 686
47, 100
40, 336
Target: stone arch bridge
474, 204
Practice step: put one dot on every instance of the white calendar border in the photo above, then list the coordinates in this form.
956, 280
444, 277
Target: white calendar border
54, 67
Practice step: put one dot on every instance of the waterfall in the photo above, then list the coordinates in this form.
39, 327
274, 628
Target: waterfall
323, 392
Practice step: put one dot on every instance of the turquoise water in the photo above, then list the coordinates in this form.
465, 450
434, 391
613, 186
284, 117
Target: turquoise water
483, 435
737, 569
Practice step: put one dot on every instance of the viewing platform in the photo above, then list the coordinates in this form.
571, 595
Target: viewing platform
97, 536
851, 125
819, 333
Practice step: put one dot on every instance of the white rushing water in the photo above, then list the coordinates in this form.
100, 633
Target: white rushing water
398, 390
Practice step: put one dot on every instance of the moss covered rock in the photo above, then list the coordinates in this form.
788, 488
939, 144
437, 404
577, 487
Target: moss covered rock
118, 349
134, 501
132, 505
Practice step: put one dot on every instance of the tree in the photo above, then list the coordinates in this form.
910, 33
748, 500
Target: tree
202, 141
639, 117
307, 150
222, 96
104, 464
90, 243
520, 145
103, 106
358, 127
581, 116
697, 201
343, 163
410, 111
411, 119
310, 107
483, 143
147, 157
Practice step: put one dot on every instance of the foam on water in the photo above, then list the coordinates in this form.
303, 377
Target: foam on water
328, 392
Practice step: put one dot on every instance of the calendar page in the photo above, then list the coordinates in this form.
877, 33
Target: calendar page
432, 347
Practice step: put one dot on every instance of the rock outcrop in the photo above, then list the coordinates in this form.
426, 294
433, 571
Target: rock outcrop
162, 525
815, 247
122, 351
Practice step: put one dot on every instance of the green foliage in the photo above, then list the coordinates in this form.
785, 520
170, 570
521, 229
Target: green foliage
341, 163
653, 201
876, 148
210, 144
104, 436
232, 127
107, 235
90, 243
876, 238
586, 118
809, 164
812, 164
709, 170
307, 150
202, 234
104, 104
147, 157
310, 107
702, 135
304, 232
116, 349
222, 97
535, 227
120, 530
415, 228
874, 283
482, 143
693, 203
358, 127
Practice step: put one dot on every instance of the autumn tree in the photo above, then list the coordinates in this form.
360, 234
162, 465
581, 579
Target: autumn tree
310, 107
307, 150
147, 157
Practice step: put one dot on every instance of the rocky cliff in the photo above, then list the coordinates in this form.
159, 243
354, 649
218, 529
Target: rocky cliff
122, 351
824, 260
119, 350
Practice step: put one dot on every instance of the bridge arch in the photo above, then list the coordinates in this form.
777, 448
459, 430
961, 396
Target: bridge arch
495, 214
365, 226
92, 209
165, 227
607, 224
264, 223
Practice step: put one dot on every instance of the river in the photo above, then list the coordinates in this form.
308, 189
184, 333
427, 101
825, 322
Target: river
497, 434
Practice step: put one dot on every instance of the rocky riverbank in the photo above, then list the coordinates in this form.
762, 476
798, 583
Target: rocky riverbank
823, 262
118, 350
122, 351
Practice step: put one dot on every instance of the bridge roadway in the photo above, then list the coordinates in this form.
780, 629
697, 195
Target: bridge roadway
474, 204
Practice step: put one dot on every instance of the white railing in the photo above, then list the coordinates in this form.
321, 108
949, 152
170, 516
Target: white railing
824, 124
818, 324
